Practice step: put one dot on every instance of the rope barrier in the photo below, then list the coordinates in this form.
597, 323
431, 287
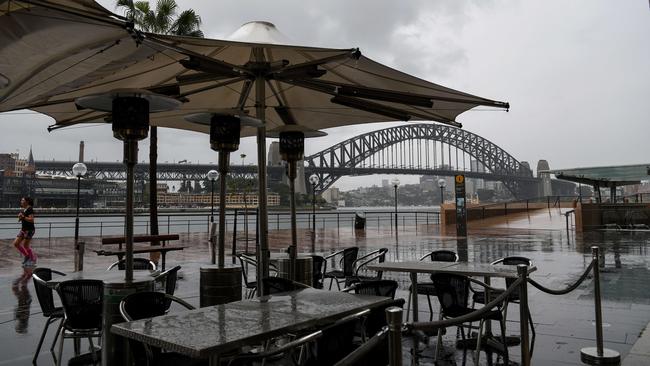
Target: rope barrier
566, 290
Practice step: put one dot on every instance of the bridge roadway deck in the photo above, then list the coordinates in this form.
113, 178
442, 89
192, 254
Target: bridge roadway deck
564, 324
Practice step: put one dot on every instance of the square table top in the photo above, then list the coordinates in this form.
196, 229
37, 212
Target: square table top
462, 268
210, 331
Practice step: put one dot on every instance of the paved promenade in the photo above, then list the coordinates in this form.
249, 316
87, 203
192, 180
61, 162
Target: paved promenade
564, 324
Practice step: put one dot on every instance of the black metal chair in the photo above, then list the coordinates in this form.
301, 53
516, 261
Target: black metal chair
319, 267
169, 279
346, 266
143, 305
295, 353
251, 286
337, 340
82, 302
139, 264
427, 288
45, 296
479, 295
376, 320
276, 285
361, 263
453, 294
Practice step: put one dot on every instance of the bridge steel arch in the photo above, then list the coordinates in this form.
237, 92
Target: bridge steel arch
350, 154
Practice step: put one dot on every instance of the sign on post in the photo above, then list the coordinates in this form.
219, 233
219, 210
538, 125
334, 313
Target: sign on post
461, 209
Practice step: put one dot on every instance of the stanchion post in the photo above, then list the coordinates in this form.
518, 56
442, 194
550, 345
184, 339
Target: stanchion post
598, 355
394, 320
522, 272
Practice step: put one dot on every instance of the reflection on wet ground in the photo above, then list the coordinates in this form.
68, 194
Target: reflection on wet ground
564, 324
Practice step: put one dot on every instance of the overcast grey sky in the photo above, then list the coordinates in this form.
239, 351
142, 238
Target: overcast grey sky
576, 73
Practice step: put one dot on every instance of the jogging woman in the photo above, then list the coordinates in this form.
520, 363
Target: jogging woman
27, 229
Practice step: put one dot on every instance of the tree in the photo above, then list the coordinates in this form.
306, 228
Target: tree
162, 20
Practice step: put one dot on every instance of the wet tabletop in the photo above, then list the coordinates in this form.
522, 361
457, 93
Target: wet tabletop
463, 268
213, 330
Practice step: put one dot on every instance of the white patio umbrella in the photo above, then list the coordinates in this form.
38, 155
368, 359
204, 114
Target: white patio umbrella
255, 73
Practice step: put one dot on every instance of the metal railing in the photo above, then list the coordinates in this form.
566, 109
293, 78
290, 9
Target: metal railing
63, 226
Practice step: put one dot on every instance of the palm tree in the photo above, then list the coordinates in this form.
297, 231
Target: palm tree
162, 20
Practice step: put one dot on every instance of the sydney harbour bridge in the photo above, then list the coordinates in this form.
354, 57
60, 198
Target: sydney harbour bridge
412, 149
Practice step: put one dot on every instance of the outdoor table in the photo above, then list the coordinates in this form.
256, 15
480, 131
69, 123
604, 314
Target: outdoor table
212, 331
108, 277
461, 268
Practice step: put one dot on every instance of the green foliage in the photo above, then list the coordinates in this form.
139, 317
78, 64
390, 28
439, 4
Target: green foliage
164, 19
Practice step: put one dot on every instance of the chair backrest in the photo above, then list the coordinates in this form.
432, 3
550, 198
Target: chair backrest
513, 261
319, 267
246, 261
336, 341
376, 320
139, 264
441, 256
452, 291
275, 285
374, 352
147, 304
142, 305
378, 255
82, 303
385, 288
348, 259
44, 293
170, 277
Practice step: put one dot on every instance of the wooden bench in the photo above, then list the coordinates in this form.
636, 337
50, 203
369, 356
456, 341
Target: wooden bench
163, 248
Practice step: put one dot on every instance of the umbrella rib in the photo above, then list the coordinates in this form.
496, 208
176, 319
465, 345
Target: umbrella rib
245, 92
479, 100
218, 85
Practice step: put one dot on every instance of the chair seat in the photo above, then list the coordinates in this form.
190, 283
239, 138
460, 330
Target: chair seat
425, 288
252, 284
337, 273
458, 311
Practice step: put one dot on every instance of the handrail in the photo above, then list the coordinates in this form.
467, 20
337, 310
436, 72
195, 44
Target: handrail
566, 290
474, 315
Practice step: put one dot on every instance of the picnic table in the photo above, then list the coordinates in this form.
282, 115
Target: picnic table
162, 249
212, 331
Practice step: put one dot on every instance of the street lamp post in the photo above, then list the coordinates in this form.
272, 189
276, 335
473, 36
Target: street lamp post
395, 183
442, 184
79, 170
212, 176
314, 181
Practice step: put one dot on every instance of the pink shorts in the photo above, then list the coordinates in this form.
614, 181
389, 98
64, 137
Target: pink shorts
27, 234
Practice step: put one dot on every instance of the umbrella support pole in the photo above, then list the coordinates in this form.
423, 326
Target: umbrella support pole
262, 218
223, 172
294, 234
130, 159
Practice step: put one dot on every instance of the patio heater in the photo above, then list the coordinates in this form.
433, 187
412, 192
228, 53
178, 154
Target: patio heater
79, 170
292, 149
221, 284
212, 176
130, 109
395, 183
442, 184
313, 179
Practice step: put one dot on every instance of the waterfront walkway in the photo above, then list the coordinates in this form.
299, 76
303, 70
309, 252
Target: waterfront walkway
564, 324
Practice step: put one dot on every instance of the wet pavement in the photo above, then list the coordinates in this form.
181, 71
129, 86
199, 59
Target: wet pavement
564, 324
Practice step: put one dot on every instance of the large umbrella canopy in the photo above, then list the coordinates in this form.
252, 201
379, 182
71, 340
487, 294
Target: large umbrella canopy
88, 50
71, 56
